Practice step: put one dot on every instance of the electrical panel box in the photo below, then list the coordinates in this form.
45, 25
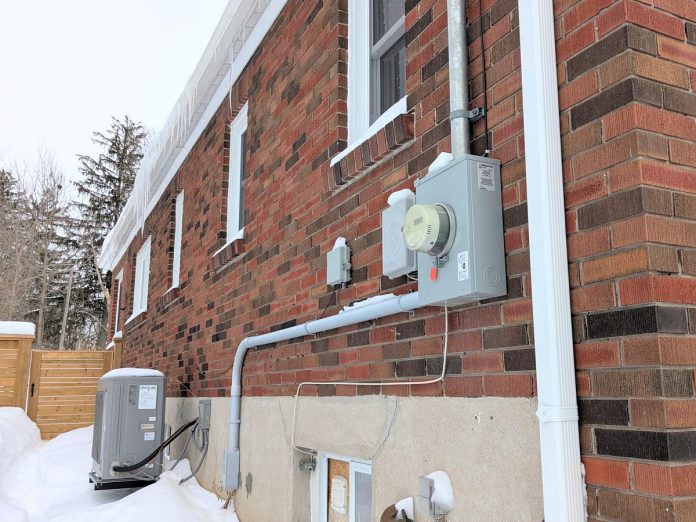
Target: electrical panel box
473, 267
128, 426
397, 260
338, 265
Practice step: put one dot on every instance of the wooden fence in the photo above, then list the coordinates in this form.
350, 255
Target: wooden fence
62, 387
15, 352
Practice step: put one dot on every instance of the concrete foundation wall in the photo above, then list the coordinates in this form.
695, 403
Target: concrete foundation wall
488, 446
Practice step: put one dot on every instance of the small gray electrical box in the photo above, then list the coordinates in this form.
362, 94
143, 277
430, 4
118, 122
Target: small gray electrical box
338, 265
128, 426
474, 267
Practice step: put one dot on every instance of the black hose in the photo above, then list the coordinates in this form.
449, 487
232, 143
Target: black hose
133, 467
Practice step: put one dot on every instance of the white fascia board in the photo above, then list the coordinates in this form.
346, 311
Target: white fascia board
217, 90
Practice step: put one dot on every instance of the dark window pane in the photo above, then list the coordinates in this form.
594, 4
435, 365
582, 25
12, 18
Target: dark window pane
242, 177
385, 13
392, 75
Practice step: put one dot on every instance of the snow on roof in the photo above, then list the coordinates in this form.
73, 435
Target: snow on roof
239, 32
132, 372
17, 328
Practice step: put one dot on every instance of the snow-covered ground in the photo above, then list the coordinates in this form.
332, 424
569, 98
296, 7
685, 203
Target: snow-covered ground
47, 482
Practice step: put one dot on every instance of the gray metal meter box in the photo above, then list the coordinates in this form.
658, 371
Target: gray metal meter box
474, 266
128, 426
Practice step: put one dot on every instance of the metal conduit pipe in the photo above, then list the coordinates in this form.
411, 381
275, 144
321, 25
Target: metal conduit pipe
561, 468
458, 79
369, 311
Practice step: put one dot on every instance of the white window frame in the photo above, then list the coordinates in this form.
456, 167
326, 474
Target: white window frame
235, 228
321, 496
178, 224
360, 88
119, 286
142, 279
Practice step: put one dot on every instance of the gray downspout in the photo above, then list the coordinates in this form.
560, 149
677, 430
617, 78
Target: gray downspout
458, 79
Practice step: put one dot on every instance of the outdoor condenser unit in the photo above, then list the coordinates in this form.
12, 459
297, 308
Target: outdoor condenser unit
128, 426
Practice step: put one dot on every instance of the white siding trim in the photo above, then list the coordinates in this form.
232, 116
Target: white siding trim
142, 279
178, 223
237, 129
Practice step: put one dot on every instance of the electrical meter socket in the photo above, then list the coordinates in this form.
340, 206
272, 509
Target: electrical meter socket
456, 226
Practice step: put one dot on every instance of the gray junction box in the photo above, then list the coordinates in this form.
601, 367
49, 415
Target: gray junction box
474, 267
128, 426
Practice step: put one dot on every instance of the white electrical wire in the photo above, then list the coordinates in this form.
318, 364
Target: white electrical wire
370, 383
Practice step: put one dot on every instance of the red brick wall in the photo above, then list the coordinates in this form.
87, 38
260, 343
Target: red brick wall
626, 92
296, 88
626, 76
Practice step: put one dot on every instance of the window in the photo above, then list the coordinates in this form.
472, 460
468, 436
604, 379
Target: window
388, 53
376, 65
178, 220
119, 283
142, 279
238, 178
345, 486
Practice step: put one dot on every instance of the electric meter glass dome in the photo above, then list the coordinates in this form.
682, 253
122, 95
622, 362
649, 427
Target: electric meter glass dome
428, 229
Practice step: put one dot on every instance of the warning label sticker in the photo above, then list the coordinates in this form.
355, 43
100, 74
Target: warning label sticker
486, 177
463, 265
149, 435
147, 398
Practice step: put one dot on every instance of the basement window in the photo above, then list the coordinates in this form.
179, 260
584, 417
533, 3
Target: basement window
178, 222
142, 279
237, 177
346, 489
376, 68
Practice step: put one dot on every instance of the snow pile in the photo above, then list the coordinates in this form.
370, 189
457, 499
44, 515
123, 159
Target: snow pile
17, 433
443, 159
132, 372
405, 506
397, 196
443, 493
47, 482
17, 328
366, 302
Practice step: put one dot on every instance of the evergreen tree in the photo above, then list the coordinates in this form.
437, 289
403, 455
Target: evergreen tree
107, 182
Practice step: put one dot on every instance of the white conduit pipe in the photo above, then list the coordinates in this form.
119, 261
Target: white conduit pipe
368, 312
561, 468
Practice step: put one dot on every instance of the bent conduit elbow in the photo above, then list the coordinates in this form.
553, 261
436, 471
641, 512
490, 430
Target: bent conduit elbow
382, 308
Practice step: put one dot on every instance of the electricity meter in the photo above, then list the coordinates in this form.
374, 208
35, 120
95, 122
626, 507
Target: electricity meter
429, 229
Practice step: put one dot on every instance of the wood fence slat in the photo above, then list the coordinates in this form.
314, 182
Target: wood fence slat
64, 386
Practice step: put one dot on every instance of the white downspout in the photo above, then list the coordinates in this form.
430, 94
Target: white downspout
561, 468
381, 308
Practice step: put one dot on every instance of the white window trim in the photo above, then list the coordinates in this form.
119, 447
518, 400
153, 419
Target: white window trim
142, 279
117, 316
358, 467
359, 86
320, 487
235, 229
178, 225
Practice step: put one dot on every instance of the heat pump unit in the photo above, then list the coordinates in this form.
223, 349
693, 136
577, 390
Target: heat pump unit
128, 426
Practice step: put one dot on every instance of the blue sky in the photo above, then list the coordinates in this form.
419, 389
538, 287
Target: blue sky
67, 66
